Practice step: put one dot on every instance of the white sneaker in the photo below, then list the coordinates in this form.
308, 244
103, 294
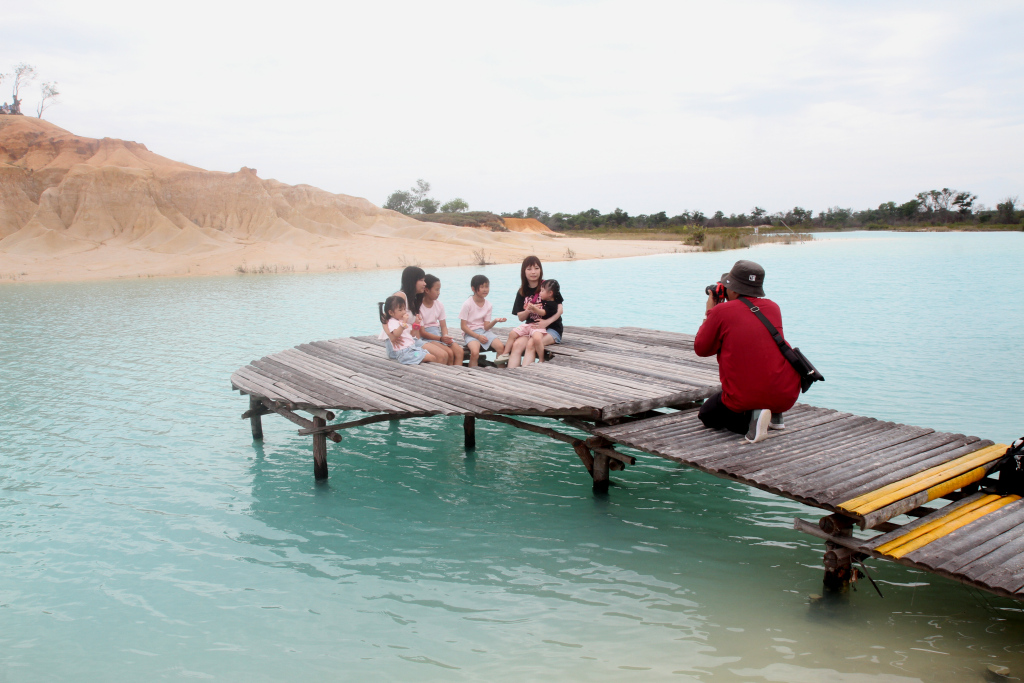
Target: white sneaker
759, 421
776, 422
502, 357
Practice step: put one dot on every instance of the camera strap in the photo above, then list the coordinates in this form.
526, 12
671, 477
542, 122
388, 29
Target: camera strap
803, 366
772, 330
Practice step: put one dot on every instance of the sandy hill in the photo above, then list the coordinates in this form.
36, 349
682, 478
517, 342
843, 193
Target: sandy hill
73, 207
530, 225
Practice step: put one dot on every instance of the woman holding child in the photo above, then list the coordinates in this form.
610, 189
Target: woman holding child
538, 306
414, 294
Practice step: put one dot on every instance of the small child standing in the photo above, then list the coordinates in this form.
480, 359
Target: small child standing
476, 321
435, 326
401, 345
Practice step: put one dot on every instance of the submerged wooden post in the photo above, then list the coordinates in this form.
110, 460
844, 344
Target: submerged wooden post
838, 560
319, 449
600, 472
256, 417
469, 427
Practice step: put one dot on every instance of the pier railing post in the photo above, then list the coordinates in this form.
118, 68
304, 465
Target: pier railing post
256, 418
319, 449
469, 427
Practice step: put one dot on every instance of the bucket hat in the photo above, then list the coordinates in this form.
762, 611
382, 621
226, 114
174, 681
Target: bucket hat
746, 278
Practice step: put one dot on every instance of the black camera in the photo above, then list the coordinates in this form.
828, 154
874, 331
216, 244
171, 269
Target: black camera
717, 291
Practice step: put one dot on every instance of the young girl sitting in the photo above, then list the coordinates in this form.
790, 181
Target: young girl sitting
398, 339
434, 325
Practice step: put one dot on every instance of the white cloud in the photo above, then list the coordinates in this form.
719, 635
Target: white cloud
643, 105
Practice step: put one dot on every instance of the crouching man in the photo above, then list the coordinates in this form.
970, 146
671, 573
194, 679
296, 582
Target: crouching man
758, 383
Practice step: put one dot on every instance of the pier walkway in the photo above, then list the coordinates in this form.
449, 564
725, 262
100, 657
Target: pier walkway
640, 389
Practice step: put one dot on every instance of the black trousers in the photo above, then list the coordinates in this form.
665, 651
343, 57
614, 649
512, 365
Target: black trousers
715, 415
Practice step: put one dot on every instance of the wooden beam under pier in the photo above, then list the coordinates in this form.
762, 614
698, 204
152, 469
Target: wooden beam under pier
384, 417
301, 421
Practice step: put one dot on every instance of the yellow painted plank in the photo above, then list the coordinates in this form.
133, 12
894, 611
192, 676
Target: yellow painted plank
977, 474
952, 526
921, 481
935, 523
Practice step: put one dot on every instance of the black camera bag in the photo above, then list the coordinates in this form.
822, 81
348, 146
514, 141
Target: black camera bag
1011, 470
804, 368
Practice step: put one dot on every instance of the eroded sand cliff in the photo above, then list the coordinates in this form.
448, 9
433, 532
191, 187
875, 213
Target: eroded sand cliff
73, 207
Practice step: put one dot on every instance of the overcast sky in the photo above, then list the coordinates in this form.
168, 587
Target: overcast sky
565, 105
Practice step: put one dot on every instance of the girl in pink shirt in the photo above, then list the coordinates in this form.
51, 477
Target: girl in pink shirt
400, 344
435, 326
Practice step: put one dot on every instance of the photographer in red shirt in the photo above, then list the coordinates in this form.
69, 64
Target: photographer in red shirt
758, 383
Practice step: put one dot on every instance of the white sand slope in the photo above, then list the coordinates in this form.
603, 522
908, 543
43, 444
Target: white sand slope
79, 208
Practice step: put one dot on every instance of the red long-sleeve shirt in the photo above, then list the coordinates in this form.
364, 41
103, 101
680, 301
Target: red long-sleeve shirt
753, 371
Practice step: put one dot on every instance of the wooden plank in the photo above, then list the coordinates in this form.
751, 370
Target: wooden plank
1003, 529
920, 521
337, 377
267, 387
374, 401
923, 480
964, 546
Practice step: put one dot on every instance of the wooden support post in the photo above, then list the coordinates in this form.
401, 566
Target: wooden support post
600, 473
585, 455
838, 560
256, 418
469, 427
319, 450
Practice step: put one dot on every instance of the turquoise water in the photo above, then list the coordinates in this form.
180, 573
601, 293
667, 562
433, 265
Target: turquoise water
146, 537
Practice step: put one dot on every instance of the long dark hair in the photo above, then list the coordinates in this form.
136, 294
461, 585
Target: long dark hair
388, 305
410, 276
527, 262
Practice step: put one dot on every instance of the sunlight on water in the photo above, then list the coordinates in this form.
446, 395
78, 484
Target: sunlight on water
146, 537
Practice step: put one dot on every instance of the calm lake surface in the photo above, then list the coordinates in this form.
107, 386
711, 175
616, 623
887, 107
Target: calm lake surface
144, 536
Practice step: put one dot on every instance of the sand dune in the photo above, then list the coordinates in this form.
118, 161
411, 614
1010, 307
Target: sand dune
78, 208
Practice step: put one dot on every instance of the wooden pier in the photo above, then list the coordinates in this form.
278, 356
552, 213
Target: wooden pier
641, 388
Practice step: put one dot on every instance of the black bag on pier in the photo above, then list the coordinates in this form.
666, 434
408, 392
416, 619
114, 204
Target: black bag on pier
1011, 470
804, 368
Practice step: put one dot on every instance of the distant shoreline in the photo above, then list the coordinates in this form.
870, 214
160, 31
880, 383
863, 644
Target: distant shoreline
358, 253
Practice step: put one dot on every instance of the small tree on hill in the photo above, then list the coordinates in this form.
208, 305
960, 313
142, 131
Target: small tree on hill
457, 205
23, 73
400, 201
48, 96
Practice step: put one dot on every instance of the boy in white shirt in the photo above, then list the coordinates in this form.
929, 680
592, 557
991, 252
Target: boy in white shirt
476, 321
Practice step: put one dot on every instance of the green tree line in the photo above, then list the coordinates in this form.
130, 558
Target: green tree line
934, 207
931, 208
